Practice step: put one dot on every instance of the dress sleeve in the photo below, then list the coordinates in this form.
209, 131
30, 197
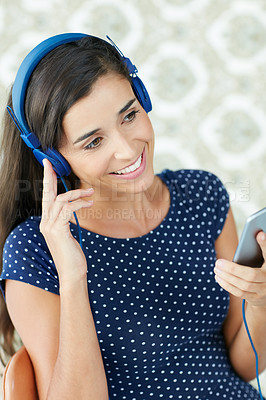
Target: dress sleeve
218, 197
26, 258
205, 197
210, 200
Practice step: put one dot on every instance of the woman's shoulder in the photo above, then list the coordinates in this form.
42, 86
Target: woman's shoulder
26, 258
25, 229
25, 238
201, 193
191, 179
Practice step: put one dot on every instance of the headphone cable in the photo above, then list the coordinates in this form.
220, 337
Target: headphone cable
253, 347
75, 215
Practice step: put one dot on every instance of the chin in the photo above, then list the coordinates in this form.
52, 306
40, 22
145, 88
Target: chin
136, 186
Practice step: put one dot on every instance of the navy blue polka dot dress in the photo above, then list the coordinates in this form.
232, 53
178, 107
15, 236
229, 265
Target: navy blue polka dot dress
157, 308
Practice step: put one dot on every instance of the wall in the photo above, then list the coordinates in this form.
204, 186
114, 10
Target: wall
203, 61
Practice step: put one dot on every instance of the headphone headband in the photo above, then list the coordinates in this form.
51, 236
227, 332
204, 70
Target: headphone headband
27, 67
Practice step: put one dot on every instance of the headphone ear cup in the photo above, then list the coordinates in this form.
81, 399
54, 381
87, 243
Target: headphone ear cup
141, 93
59, 163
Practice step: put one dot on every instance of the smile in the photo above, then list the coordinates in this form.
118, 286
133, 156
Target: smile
134, 170
131, 168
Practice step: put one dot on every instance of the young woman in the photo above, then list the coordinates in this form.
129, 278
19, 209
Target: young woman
150, 306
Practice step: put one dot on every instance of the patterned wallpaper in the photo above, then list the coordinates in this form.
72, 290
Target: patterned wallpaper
203, 62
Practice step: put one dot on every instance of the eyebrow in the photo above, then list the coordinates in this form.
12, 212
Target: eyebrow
88, 134
126, 107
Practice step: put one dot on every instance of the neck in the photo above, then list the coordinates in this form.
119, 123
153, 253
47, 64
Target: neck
115, 199
120, 214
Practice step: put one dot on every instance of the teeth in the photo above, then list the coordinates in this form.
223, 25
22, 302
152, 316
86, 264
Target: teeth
131, 168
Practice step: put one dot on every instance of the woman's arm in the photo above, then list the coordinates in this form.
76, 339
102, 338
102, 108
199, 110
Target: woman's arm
60, 338
59, 331
79, 360
242, 283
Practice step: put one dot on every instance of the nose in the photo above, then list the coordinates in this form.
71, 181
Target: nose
123, 147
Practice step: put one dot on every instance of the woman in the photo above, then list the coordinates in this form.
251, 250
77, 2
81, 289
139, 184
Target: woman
139, 314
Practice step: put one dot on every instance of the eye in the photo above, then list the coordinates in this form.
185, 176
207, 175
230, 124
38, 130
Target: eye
131, 116
95, 143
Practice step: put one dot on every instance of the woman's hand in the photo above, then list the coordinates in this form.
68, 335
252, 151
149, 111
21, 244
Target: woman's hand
245, 282
56, 213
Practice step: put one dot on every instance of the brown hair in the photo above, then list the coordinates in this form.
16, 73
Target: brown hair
62, 77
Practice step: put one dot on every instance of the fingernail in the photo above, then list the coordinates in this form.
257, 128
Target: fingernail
263, 236
219, 263
89, 190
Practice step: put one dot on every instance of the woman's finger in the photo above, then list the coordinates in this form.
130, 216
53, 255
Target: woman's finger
239, 282
68, 209
250, 274
73, 195
54, 228
49, 184
257, 298
261, 239
63, 199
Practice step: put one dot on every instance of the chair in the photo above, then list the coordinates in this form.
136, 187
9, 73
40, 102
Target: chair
18, 379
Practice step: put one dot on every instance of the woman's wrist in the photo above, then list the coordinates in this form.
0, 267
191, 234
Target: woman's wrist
73, 283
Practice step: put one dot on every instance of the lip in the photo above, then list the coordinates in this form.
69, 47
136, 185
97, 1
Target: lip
135, 174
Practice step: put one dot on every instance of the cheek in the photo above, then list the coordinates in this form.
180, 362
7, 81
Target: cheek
148, 129
85, 165
88, 166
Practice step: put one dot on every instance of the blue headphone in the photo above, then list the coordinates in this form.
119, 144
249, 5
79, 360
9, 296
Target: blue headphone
60, 165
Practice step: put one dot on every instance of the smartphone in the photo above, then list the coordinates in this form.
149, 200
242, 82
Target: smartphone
248, 251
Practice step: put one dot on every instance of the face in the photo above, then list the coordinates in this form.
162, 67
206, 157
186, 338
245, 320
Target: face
109, 140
